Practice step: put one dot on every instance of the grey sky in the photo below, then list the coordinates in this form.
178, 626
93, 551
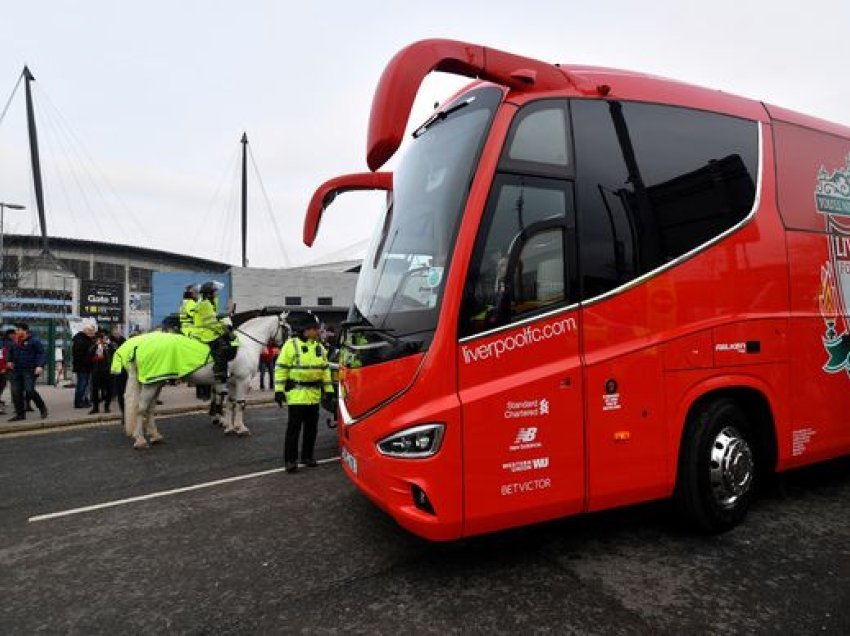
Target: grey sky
159, 93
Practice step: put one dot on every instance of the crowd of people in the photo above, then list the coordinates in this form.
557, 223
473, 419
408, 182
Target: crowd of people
91, 356
22, 362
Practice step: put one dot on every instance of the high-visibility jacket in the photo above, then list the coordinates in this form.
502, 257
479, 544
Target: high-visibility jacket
206, 326
302, 372
187, 315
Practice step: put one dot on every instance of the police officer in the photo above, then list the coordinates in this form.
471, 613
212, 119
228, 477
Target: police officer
302, 375
187, 309
209, 329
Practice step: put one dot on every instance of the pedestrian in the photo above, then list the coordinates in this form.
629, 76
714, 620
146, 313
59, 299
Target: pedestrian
119, 380
27, 363
59, 359
101, 381
268, 356
6, 343
81, 361
301, 376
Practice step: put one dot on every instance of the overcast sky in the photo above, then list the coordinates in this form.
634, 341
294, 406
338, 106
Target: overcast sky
141, 105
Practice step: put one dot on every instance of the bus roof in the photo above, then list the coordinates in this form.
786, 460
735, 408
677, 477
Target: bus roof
527, 77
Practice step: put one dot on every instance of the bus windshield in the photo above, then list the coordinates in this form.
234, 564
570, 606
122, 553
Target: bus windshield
401, 281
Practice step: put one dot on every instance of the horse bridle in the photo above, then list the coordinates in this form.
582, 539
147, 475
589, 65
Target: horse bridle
281, 325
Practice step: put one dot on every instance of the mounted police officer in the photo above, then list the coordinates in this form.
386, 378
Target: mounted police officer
302, 376
187, 309
209, 329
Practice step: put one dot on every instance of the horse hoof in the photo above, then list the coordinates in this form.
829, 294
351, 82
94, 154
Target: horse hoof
229, 431
159, 439
243, 433
140, 445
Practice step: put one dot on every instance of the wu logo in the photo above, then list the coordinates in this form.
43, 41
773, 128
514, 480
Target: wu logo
541, 462
544, 407
526, 435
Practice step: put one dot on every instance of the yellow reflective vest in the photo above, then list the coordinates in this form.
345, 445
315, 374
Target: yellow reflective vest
187, 315
302, 372
206, 326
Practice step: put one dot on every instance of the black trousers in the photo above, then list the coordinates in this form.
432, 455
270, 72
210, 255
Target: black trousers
306, 415
119, 386
23, 390
221, 355
101, 389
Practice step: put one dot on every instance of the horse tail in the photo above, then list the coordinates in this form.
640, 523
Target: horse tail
131, 400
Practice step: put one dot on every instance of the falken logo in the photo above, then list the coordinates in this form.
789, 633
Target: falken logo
832, 199
737, 347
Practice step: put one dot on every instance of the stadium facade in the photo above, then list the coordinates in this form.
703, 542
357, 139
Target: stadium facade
136, 287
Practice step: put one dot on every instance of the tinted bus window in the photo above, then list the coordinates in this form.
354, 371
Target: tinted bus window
539, 141
655, 182
519, 266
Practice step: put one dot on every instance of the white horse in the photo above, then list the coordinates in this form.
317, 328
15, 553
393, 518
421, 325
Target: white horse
253, 334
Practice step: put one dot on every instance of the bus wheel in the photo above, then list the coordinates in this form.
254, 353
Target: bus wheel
717, 467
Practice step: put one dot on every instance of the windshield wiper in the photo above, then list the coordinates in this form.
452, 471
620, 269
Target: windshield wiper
441, 115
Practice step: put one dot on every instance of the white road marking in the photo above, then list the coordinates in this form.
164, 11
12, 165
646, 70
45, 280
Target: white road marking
163, 493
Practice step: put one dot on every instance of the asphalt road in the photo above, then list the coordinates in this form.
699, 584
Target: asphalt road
307, 552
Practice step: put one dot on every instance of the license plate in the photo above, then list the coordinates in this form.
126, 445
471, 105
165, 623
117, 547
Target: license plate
349, 459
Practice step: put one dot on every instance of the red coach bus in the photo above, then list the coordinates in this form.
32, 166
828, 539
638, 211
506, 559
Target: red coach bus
591, 288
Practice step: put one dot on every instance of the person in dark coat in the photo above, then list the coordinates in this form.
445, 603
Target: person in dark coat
6, 345
81, 360
119, 380
27, 363
101, 380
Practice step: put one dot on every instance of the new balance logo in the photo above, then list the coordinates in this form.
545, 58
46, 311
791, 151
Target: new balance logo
526, 435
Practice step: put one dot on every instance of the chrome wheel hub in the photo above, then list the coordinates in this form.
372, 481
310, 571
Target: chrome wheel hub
731, 467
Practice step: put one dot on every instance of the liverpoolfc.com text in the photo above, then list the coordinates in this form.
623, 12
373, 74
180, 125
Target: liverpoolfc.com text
527, 336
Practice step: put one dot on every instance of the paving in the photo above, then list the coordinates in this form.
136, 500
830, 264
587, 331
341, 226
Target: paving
280, 553
176, 399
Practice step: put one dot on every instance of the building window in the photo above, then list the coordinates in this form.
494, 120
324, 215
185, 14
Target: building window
140, 279
293, 300
326, 301
112, 272
10, 272
80, 268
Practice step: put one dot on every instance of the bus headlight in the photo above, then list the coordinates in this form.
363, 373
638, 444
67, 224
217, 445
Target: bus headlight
419, 441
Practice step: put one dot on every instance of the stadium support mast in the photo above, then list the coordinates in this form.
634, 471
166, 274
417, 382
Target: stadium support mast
36, 163
244, 199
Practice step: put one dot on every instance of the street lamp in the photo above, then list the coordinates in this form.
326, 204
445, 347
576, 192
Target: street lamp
3, 206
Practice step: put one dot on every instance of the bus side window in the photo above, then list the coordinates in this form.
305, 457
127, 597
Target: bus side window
653, 183
519, 266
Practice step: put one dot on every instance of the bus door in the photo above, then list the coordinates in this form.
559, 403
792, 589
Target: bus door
520, 381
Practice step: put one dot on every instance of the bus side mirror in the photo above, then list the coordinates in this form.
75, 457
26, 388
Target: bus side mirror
329, 190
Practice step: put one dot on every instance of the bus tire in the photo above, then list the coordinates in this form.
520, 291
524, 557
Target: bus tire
717, 467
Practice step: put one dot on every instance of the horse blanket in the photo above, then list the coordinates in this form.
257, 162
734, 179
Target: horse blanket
161, 356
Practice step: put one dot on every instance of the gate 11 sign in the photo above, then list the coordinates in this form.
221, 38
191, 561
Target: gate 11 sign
102, 301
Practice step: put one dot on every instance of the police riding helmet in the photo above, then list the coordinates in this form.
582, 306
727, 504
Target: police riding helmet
210, 288
300, 321
191, 291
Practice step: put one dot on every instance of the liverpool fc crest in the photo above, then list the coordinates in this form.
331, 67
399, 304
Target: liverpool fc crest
832, 199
